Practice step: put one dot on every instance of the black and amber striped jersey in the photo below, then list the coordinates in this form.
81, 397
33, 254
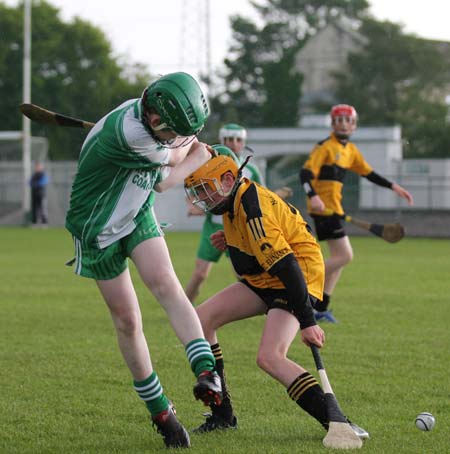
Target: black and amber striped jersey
328, 163
261, 229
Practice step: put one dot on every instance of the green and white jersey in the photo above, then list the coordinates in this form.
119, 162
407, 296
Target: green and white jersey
214, 218
118, 167
252, 172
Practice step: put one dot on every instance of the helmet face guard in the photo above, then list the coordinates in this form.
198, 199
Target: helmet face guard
179, 101
204, 186
177, 142
207, 194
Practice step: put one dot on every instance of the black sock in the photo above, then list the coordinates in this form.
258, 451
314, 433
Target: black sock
225, 409
308, 394
322, 306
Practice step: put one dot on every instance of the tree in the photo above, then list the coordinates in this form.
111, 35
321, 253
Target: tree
73, 72
260, 87
401, 79
425, 127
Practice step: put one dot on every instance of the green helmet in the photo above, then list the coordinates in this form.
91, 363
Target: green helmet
232, 130
225, 151
179, 100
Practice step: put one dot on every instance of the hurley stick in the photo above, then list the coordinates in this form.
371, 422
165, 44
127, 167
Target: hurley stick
340, 435
392, 233
41, 115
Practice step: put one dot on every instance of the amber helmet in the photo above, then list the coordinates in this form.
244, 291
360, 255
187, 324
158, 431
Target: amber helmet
204, 186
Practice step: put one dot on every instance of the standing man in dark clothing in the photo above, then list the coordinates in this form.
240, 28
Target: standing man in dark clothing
39, 182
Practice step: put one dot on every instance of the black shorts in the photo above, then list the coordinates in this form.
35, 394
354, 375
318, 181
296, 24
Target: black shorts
276, 298
329, 227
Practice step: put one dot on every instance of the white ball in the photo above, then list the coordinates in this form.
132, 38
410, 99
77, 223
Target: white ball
425, 421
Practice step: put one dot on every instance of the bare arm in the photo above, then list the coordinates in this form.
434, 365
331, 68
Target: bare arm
194, 210
284, 192
399, 190
218, 240
306, 177
317, 205
178, 154
313, 335
196, 157
403, 193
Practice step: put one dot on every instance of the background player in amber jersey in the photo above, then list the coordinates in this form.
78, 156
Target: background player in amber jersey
281, 269
322, 178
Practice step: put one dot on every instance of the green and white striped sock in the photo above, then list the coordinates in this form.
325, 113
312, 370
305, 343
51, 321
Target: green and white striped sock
151, 392
200, 356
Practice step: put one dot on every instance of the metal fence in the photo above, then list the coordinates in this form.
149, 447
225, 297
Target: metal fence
430, 192
429, 217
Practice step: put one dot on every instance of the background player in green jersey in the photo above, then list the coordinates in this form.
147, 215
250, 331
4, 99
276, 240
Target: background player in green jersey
143, 145
234, 136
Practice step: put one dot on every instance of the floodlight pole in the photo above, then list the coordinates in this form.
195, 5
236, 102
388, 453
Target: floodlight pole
26, 124
208, 40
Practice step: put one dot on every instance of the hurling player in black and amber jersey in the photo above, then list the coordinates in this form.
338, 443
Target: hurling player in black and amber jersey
322, 178
281, 271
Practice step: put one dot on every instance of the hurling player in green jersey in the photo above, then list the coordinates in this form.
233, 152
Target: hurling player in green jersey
145, 144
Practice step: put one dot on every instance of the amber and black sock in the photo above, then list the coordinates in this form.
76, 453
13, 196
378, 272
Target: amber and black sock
308, 394
225, 409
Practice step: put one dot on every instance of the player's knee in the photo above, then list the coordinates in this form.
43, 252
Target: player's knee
200, 275
167, 288
343, 257
347, 257
266, 361
203, 315
128, 322
210, 323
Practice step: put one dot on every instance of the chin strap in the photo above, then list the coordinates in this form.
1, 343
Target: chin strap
239, 176
343, 138
236, 185
211, 150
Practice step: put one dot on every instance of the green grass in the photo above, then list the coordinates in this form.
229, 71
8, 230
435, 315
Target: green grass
65, 389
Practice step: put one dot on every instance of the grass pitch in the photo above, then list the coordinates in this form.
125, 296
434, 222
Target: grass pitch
64, 386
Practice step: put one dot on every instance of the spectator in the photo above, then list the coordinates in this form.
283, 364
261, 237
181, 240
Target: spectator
39, 206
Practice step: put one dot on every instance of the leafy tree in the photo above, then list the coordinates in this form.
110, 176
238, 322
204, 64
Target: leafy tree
425, 127
73, 72
260, 88
401, 79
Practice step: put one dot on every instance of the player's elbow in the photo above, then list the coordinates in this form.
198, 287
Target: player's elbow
305, 175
